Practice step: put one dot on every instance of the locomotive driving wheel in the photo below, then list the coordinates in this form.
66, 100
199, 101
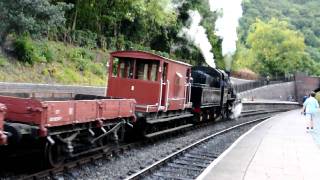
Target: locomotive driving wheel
54, 154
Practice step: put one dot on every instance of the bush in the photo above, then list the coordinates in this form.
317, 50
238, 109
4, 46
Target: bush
24, 49
245, 74
31, 52
3, 60
48, 53
98, 69
86, 39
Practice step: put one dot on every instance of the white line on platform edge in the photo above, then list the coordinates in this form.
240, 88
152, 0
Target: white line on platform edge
216, 161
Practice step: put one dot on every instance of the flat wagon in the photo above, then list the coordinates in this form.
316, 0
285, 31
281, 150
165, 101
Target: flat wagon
68, 125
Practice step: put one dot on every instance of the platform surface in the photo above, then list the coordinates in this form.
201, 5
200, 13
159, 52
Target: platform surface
277, 149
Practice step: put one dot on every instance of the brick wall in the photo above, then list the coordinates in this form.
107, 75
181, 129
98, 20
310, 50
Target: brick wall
305, 84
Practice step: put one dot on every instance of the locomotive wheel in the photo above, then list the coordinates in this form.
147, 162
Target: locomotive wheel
54, 155
224, 114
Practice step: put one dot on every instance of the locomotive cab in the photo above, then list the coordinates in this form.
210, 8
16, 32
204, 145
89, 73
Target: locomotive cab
155, 82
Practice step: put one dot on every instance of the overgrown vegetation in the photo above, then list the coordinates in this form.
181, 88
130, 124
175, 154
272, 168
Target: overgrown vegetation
54, 62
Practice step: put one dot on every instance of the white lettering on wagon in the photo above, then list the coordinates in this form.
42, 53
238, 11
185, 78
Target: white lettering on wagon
55, 119
57, 111
70, 111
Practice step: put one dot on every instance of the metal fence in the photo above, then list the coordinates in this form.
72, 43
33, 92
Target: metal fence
260, 83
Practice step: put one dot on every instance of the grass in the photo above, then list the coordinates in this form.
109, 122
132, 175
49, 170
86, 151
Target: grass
56, 62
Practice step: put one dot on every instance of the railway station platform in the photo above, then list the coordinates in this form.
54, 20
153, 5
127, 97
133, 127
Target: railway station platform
278, 149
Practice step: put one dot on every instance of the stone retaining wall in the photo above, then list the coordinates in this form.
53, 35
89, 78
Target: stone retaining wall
270, 105
29, 87
282, 92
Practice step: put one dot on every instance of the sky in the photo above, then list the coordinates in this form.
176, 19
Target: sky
226, 26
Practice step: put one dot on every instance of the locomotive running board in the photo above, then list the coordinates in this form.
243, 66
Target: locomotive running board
168, 119
167, 131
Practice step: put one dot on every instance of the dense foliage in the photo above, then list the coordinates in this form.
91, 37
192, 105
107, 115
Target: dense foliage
36, 17
112, 24
29, 29
276, 49
302, 28
140, 24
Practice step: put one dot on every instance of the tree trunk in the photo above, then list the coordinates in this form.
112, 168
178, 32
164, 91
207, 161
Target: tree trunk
74, 23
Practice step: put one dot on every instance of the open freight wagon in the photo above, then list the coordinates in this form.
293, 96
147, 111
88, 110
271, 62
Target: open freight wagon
66, 124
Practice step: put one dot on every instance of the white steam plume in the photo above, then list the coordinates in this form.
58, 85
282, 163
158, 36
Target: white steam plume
197, 34
236, 111
226, 25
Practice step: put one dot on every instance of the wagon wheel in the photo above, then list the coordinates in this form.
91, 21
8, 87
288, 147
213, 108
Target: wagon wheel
54, 155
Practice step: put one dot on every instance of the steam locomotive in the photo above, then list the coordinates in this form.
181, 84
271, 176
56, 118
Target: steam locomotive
147, 95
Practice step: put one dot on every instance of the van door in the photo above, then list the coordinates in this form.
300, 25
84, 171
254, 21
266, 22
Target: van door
164, 97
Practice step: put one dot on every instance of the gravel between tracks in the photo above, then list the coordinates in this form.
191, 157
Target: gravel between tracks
133, 160
214, 147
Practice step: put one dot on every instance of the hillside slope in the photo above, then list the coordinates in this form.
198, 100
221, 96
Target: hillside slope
55, 62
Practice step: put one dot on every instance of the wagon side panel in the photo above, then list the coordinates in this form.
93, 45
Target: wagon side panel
85, 111
60, 113
23, 110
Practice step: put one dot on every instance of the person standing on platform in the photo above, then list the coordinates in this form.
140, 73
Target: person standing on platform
310, 108
268, 79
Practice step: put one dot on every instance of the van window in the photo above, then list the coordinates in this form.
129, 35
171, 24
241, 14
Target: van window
115, 67
142, 71
154, 72
147, 70
123, 68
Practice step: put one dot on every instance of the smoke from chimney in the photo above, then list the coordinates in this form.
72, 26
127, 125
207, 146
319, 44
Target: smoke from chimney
198, 36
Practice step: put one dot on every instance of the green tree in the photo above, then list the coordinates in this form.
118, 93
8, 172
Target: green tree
35, 17
301, 15
277, 50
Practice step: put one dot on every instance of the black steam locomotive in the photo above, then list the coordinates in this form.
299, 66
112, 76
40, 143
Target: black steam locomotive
212, 93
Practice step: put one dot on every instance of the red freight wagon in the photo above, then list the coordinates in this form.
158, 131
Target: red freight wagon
161, 87
156, 83
55, 113
67, 122
3, 137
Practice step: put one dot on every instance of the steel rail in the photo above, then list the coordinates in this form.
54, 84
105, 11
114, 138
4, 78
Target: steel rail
107, 151
144, 172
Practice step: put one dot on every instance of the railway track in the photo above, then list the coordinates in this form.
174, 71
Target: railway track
188, 162
109, 152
